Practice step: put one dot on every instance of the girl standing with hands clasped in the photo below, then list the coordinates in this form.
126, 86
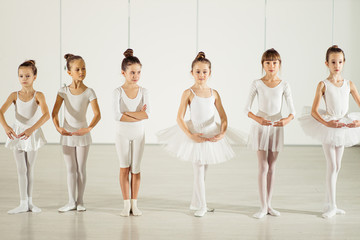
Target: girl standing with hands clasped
267, 132
131, 107
75, 132
200, 140
26, 136
334, 127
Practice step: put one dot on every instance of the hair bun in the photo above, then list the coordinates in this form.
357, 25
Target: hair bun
334, 46
32, 62
201, 55
129, 53
68, 55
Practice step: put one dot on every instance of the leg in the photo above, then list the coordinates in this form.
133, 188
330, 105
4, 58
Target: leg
71, 168
262, 181
23, 184
272, 157
122, 145
30, 162
137, 150
339, 154
81, 158
199, 199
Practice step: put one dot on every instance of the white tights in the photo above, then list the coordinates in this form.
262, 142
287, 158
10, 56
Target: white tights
75, 161
333, 156
25, 162
266, 162
198, 199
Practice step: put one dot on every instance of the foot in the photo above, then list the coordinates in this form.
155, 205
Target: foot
134, 209
201, 212
329, 213
192, 208
340, 211
34, 208
80, 207
273, 212
260, 214
23, 207
67, 207
126, 211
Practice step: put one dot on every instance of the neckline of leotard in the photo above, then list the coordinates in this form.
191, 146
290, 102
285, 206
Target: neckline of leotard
137, 95
211, 90
281, 81
335, 85
25, 101
68, 88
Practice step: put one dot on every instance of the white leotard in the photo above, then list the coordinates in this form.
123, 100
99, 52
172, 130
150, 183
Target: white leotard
202, 109
337, 98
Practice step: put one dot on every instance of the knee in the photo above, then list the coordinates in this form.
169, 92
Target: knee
22, 170
263, 169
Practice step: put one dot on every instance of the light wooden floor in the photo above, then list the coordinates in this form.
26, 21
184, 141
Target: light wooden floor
165, 195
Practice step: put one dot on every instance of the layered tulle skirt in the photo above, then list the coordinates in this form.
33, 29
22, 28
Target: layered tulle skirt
177, 143
334, 136
33, 143
75, 141
266, 137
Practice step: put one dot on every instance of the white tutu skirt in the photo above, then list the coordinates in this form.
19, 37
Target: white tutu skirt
75, 141
180, 145
33, 143
266, 137
334, 136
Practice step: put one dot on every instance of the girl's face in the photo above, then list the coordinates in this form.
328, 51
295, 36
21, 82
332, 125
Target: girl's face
77, 70
26, 76
271, 67
201, 72
132, 73
335, 63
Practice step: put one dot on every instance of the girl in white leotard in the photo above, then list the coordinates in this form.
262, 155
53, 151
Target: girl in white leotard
267, 133
131, 108
25, 137
75, 133
200, 140
334, 127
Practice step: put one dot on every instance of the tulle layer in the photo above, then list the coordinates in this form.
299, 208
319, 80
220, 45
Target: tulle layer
75, 141
178, 144
334, 136
33, 143
266, 137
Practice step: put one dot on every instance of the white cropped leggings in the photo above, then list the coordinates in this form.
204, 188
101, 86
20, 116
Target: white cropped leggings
129, 143
25, 162
75, 161
198, 199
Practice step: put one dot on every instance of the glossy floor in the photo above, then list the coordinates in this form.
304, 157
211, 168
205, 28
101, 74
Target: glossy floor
165, 194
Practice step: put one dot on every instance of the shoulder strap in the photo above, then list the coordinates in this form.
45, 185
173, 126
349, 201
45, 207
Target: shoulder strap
211, 90
192, 91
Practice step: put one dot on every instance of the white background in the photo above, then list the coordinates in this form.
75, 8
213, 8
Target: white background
165, 36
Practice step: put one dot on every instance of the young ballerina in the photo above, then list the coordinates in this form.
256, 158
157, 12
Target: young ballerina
333, 127
131, 107
200, 140
75, 132
267, 132
26, 136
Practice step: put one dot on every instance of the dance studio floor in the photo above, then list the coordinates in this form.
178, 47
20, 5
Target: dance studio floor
165, 194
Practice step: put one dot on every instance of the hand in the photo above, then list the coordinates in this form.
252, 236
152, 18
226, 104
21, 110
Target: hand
143, 109
81, 132
354, 124
263, 121
196, 137
25, 134
217, 137
10, 133
335, 124
282, 122
62, 131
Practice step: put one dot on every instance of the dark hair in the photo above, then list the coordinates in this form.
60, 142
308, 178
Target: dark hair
270, 55
31, 64
70, 58
200, 57
334, 49
129, 59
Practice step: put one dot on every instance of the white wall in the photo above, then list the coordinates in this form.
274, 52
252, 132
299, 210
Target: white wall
163, 35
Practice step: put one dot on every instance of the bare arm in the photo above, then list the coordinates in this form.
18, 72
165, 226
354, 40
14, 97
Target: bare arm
55, 116
355, 94
94, 121
320, 90
223, 118
8, 130
185, 100
40, 98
